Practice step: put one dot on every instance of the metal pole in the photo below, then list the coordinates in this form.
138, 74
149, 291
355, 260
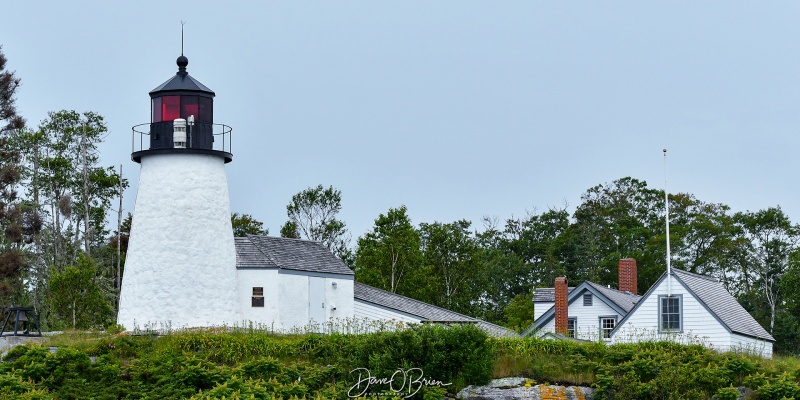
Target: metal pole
119, 239
666, 218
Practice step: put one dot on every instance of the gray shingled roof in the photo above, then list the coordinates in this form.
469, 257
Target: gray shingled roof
424, 311
717, 300
625, 300
285, 253
249, 256
547, 294
496, 330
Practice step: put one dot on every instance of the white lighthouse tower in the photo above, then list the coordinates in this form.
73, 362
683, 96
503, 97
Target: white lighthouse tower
180, 269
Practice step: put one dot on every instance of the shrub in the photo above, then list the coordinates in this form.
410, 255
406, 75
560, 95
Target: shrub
728, 393
777, 389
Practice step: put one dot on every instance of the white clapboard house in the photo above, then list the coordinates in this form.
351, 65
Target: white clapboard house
682, 306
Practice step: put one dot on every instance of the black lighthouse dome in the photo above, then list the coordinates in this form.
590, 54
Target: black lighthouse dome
183, 104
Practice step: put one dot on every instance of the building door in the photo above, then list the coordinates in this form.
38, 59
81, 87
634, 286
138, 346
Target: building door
316, 299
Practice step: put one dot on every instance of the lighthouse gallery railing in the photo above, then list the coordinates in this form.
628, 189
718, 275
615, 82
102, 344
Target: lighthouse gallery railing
222, 134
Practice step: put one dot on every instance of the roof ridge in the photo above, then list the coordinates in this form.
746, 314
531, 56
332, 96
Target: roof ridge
626, 292
286, 238
707, 277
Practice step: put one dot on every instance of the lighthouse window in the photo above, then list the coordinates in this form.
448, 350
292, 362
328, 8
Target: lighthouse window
258, 297
170, 108
156, 109
189, 106
205, 110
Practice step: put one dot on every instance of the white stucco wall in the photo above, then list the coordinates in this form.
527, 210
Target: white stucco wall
266, 317
293, 305
287, 299
339, 296
587, 317
180, 269
699, 326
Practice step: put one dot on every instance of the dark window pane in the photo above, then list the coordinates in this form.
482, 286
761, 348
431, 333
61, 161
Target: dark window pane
258, 302
571, 327
670, 313
170, 108
205, 111
606, 326
156, 112
188, 107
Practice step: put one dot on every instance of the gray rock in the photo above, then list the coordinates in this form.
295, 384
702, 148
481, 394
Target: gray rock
505, 383
515, 388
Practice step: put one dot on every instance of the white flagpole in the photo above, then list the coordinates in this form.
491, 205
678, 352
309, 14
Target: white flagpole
666, 217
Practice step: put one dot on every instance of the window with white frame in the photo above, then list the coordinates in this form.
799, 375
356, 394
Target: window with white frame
669, 313
607, 325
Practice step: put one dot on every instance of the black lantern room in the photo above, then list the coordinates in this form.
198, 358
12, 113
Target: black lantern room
182, 119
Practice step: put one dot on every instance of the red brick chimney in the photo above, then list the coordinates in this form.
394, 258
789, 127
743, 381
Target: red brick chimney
628, 275
561, 305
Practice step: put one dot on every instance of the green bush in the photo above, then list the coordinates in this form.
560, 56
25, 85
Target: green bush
660, 370
784, 387
460, 355
728, 393
16, 387
211, 364
216, 364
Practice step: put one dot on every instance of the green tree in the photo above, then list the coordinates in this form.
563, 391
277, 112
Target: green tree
538, 241
390, 253
454, 274
245, 224
519, 312
8, 88
771, 240
312, 215
19, 222
65, 182
618, 220
76, 296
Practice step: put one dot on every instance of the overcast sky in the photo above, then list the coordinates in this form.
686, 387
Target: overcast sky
457, 109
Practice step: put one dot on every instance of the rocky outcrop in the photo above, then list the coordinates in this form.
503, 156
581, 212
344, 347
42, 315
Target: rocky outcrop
522, 388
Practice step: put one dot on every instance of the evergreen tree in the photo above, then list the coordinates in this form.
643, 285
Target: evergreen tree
19, 221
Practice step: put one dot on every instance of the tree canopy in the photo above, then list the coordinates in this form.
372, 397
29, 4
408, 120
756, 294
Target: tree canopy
312, 215
245, 224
